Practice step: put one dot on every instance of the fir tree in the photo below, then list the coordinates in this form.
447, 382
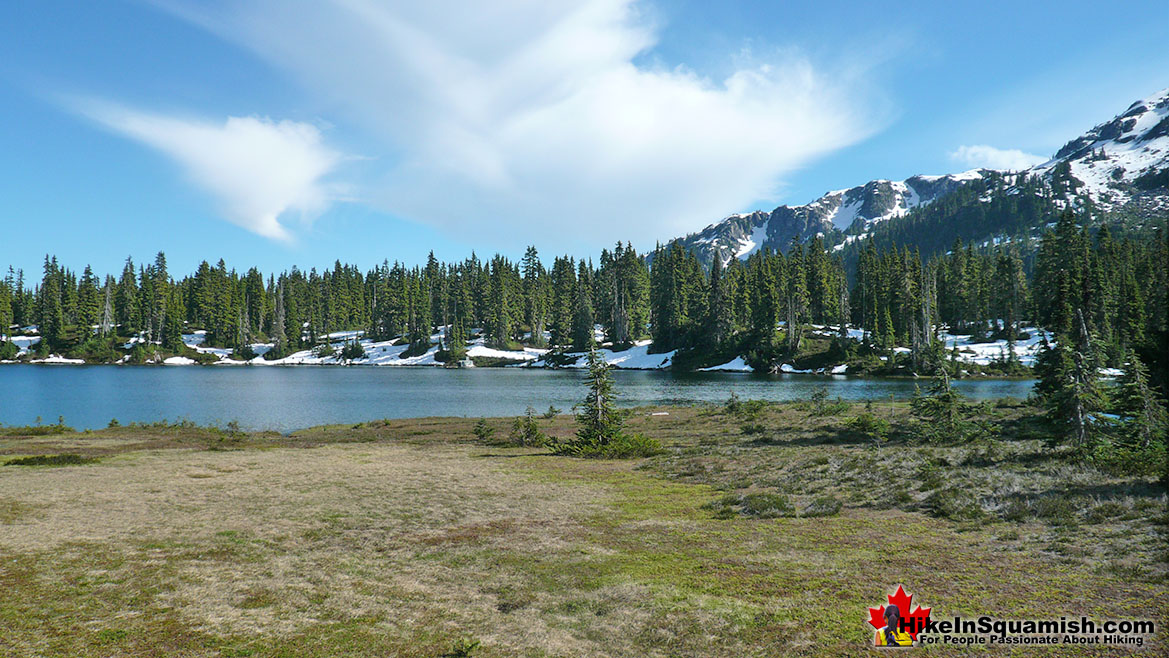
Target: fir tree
1069, 388
1143, 414
599, 421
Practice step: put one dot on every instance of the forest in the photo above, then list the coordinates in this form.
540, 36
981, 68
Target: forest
1078, 281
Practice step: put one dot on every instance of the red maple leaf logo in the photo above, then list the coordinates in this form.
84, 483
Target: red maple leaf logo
913, 622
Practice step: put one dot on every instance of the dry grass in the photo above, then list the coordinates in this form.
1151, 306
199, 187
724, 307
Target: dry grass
403, 537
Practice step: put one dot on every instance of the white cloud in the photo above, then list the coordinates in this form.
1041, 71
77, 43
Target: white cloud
258, 170
989, 157
533, 116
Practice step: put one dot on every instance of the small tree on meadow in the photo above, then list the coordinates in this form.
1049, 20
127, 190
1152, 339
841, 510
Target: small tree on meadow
1070, 392
599, 420
525, 431
1136, 402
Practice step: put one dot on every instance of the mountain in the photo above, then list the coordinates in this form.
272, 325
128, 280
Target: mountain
1119, 168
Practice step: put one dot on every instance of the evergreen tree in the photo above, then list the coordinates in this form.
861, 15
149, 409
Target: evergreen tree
276, 333
599, 420
52, 315
107, 313
127, 299
5, 309
172, 330
720, 312
582, 321
88, 303
1070, 391
1143, 414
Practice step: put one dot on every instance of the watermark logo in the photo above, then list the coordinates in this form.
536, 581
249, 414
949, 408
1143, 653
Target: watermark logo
897, 625
900, 624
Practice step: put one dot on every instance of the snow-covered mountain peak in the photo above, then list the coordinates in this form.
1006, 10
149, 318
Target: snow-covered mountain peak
1121, 163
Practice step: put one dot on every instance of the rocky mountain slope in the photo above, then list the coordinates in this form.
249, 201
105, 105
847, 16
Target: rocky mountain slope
1119, 167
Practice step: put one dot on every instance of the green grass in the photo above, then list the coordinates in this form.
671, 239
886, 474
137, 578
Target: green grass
412, 538
68, 459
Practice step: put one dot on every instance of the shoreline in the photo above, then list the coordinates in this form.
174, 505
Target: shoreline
820, 373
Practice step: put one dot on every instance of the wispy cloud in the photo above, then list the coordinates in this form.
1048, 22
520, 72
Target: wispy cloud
989, 157
533, 116
261, 172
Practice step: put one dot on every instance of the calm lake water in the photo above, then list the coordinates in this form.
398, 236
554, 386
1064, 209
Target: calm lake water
288, 398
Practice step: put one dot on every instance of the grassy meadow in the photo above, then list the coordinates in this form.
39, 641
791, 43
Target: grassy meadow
760, 533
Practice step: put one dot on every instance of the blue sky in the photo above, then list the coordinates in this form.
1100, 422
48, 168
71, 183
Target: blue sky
279, 133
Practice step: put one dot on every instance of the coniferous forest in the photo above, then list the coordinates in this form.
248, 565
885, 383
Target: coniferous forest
1078, 284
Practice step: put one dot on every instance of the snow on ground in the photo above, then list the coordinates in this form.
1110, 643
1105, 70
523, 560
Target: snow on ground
221, 352
178, 361
637, 357
483, 351
845, 213
195, 341
24, 343
54, 359
752, 244
735, 365
133, 341
197, 337
634, 358
987, 353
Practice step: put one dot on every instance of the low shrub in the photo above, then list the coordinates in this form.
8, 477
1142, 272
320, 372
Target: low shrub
753, 428
8, 350
225, 438
525, 431
353, 350
1106, 512
50, 460
821, 406
416, 349
760, 505
1015, 510
871, 427
1056, 510
1119, 459
38, 430
483, 430
744, 409
929, 476
463, 648
953, 504
822, 506
626, 445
